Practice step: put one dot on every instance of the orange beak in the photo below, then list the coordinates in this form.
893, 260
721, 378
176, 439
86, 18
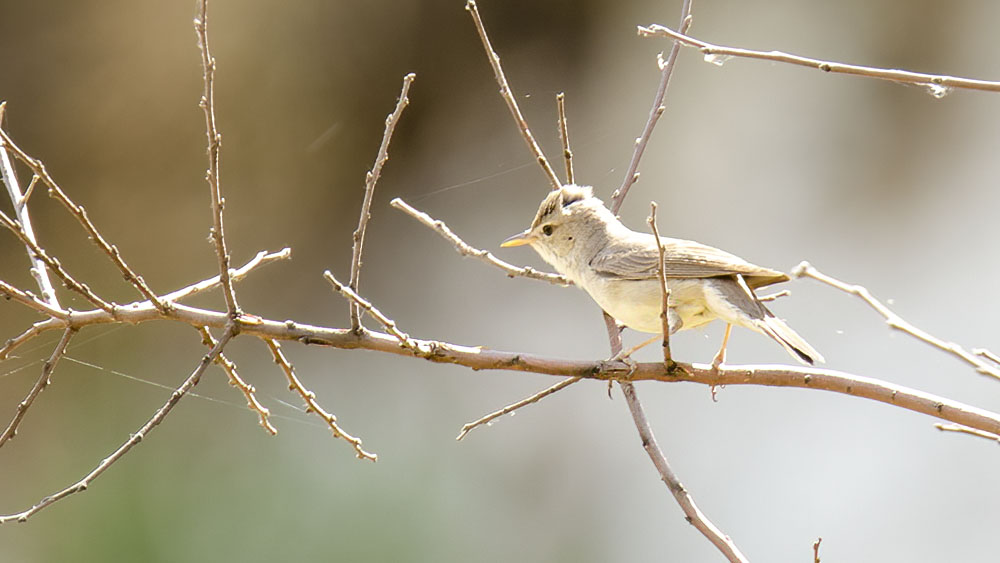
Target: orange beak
519, 239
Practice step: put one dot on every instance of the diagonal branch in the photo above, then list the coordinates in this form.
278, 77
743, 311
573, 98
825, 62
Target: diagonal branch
20, 201
514, 406
207, 104
508, 96
464, 249
40, 385
312, 406
249, 393
370, 180
30, 300
805, 269
937, 84
135, 438
666, 70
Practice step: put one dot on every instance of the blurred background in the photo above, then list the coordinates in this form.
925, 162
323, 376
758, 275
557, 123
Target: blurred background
876, 183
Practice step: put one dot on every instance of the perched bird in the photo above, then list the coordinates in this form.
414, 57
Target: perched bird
575, 233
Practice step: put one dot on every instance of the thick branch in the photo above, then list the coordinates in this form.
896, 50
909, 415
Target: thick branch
370, 180
936, 83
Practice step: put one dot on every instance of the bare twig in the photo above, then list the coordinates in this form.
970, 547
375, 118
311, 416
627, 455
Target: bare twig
564, 137
692, 513
987, 354
664, 289
39, 253
937, 84
465, 250
235, 380
135, 438
966, 430
29, 299
774, 296
390, 325
816, 549
666, 70
31, 332
20, 202
262, 257
207, 104
311, 405
371, 178
508, 97
38, 168
43, 381
514, 406
805, 269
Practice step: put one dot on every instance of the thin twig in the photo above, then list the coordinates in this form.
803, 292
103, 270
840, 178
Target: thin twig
987, 354
508, 97
514, 406
249, 393
465, 250
564, 137
78, 211
937, 84
262, 257
135, 438
311, 405
37, 252
692, 513
774, 296
43, 381
967, 430
390, 325
805, 269
371, 178
31, 332
207, 104
664, 289
20, 201
666, 70
32, 301
816, 549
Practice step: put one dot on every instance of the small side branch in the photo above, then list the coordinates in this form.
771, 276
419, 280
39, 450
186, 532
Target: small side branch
514, 406
806, 270
40, 385
666, 70
564, 137
28, 299
664, 290
966, 430
464, 249
20, 202
207, 104
390, 325
937, 84
370, 180
134, 439
508, 96
311, 405
249, 393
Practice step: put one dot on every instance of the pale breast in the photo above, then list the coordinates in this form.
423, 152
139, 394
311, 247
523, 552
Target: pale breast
637, 303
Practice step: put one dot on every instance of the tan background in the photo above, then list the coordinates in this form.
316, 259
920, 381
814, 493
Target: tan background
874, 182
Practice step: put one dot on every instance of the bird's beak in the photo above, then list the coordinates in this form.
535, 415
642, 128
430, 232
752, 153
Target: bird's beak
517, 240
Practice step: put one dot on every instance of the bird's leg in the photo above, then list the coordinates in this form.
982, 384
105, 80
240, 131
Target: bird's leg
721, 356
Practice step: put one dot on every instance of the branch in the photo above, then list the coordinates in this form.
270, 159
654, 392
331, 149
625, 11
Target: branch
370, 180
964, 430
664, 290
20, 201
805, 269
514, 406
207, 104
38, 168
564, 137
249, 393
311, 405
508, 96
135, 438
666, 70
937, 84
40, 385
390, 325
29, 299
465, 250
263, 257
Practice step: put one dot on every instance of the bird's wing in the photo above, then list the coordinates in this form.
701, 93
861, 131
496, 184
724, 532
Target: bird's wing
637, 259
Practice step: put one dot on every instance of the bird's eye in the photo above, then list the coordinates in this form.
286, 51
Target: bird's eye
547, 230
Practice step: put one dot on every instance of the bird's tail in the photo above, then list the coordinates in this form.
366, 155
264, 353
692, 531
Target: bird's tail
788, 338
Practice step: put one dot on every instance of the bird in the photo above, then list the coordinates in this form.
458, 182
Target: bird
619, 268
